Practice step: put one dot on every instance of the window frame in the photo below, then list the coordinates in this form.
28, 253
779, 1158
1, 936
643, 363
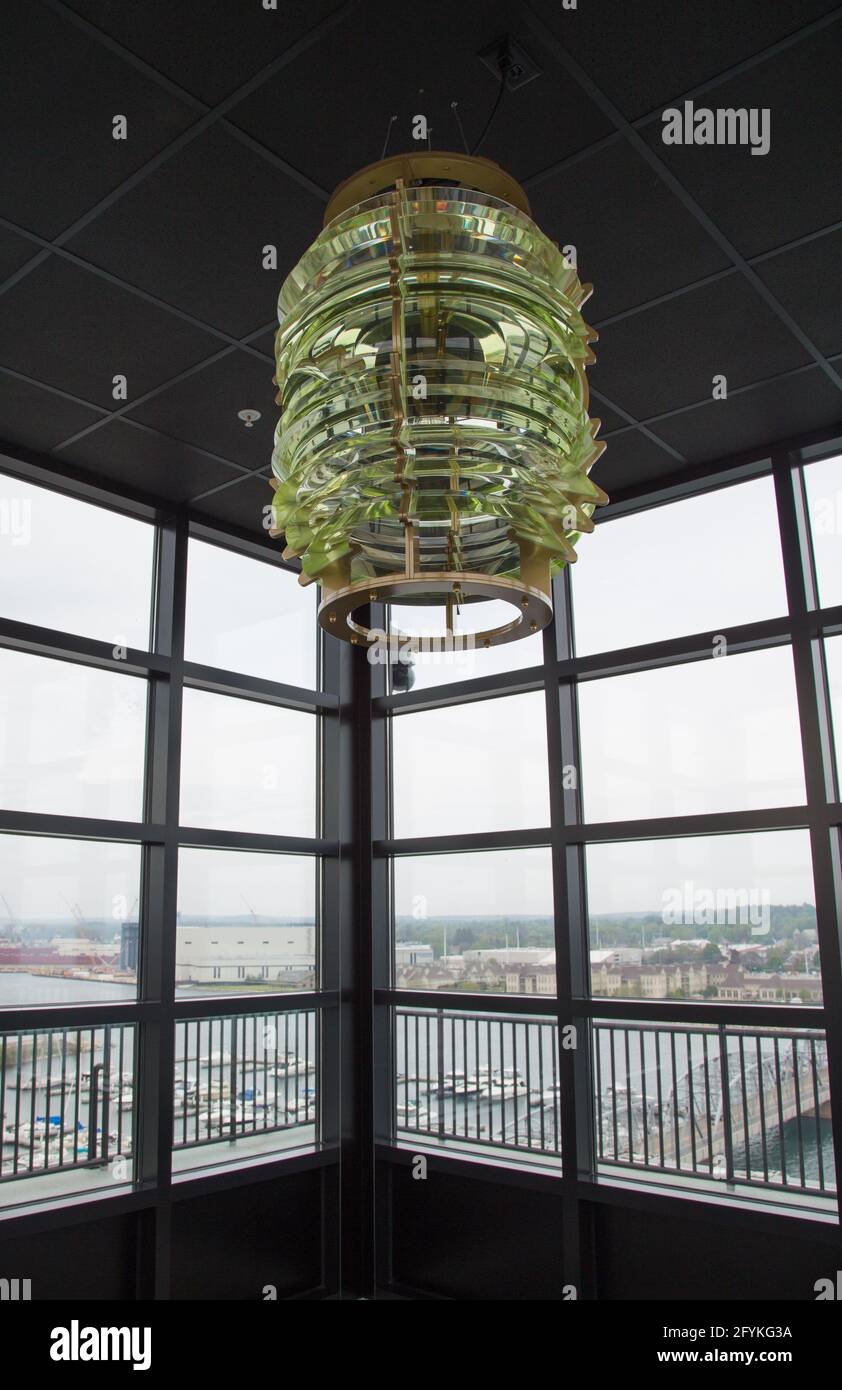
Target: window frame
355, 999
156, 1011
802, 628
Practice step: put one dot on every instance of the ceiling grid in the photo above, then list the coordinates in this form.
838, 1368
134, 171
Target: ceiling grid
158, 274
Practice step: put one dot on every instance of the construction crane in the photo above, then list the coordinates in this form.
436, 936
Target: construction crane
13, 932
250, 908
85, 933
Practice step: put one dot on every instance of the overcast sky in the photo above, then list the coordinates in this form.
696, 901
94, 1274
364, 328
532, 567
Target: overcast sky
715, 735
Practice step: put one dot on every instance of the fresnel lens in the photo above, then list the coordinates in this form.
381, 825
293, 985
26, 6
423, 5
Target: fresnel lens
434, 444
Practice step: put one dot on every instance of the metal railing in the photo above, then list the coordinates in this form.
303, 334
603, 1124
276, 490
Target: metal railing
68, 1095
244, 1075
747, 1105
740, 1105
478, 1079
66, 1098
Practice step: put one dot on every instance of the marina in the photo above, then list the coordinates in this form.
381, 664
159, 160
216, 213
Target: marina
731, 1105
68, 1097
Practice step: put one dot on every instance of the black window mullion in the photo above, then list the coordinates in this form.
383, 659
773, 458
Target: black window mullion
156, 1051
819, 770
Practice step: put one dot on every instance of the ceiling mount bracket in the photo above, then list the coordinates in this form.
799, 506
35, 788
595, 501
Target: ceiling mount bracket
507, 56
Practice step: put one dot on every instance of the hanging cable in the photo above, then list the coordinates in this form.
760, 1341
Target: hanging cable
454, 106
392, 120
505, 61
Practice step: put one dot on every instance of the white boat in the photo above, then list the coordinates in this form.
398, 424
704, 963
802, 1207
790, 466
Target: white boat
33, 1135
251, 1096
407, 1110
107, 1082
302, 1106
543, 1097
220, 1117
456, 1083
412, 1117
215, 1090
119, 1095
502, 1087
290, 1064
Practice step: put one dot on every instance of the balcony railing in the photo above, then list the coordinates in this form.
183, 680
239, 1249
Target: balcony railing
68, 1097
736, 1105
740, 1105
747, 1105
478, 1079
245, 1075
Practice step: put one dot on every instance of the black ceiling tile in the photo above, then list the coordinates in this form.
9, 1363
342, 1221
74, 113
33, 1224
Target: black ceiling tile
76, 331
15, 251
203, 409
806, 281
59, 91
616, 436
152, 463
209, 51
776, 410
643, 55
266, 343
667, 356
634, 240
611, 419
242, 504
193, 233
763, 201
630, 459
37, 418
336, 101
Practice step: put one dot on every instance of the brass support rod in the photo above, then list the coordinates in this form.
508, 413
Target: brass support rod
409, 550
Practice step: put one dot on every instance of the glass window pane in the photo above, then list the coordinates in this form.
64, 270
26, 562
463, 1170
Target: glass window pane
71, 738
247, 766
54, 554
717, 735
246, 922
480, 766
705, 562
833, 655
823, 485
475, 921
68, 920
250, 616
463, 661
244, 1086
727, 917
